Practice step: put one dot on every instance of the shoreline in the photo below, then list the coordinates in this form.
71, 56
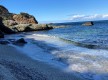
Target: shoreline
77, 60
16, 65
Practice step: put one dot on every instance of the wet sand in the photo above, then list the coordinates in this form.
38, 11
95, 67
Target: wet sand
14, 65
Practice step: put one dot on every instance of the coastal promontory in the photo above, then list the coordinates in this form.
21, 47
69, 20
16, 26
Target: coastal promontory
22, 22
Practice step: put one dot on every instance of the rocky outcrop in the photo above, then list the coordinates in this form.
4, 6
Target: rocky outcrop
4, 13
24, 18
9, 23
23, 22
5, 29
3, 10
30, 27
88, 24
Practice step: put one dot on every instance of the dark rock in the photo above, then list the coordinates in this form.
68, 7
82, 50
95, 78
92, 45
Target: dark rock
4, 13
20, 42
4, 42
1, 34
88, 24
3, 10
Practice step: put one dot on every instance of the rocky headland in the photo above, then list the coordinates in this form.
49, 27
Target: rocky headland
13, 23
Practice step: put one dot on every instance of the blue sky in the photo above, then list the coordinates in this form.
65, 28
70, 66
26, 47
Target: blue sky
60, 10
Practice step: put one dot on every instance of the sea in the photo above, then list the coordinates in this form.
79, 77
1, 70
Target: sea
77, 49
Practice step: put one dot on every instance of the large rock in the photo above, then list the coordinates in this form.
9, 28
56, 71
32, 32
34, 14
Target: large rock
88, 24
24, 18
20, 42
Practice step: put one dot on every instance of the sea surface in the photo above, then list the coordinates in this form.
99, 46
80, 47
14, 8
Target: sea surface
81, 50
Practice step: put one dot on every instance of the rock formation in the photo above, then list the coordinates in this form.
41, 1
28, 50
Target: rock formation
3, 10
13, 23
87, 24
24, 18
5, 29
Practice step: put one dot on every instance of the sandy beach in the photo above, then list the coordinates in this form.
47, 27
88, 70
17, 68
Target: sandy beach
16, 66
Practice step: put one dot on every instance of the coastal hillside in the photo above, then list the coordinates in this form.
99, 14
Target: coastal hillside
23, 22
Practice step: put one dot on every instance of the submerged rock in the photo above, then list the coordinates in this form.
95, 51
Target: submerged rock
88, 24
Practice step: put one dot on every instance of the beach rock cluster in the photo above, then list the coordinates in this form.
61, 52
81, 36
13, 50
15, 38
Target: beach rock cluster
13, 23
18, 42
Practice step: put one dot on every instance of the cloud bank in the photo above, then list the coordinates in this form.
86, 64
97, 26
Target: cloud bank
88, 17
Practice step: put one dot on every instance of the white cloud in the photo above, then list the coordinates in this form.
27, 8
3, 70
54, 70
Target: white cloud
88, 17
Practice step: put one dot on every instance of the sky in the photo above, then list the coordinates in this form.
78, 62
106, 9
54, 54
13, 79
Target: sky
60, 10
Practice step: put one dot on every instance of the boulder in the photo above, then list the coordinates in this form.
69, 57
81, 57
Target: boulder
20, 42
88, 24
24, 18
